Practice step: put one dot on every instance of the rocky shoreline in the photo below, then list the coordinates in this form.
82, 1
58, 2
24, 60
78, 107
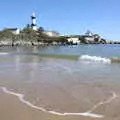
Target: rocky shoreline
34, 43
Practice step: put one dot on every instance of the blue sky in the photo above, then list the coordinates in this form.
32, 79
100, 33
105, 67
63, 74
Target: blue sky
65, 16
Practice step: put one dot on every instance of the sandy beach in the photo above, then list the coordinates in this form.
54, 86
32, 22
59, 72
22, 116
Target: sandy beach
34, 87
107, 105
13, 109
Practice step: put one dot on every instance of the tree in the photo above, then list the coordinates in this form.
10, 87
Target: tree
41, 29
83, 40
62, 39
6, 34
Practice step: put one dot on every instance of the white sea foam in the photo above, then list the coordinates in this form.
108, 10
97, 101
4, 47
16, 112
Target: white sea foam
3, 53
96, 59
86, 114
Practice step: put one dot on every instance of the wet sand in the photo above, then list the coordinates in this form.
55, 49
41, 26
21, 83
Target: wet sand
108, 106
13, 109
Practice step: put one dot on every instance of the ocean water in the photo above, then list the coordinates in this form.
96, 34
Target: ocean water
92, 60
62, 79
92, 50
100, 62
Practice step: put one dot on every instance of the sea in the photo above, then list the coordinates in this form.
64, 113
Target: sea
63, 80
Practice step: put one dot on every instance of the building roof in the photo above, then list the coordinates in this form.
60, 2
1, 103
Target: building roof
11, 29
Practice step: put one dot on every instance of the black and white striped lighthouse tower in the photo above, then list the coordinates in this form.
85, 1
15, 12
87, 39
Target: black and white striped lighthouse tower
33, 25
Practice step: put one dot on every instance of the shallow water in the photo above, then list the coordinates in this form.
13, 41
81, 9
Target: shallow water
62, 85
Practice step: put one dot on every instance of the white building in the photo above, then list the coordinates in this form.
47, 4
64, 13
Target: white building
93, 38
89, 38
51, 33
15, 31
74, 40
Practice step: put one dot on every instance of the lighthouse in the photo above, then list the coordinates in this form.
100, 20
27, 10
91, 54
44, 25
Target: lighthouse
33, 25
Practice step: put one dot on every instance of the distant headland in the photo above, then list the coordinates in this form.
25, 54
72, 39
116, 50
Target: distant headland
32, 35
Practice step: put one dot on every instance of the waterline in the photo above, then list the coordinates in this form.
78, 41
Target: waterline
3, 53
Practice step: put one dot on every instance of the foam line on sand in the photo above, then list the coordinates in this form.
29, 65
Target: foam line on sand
114, 96
86, 114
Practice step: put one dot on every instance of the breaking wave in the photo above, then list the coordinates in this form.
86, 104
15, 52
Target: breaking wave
84, 58
96, 59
